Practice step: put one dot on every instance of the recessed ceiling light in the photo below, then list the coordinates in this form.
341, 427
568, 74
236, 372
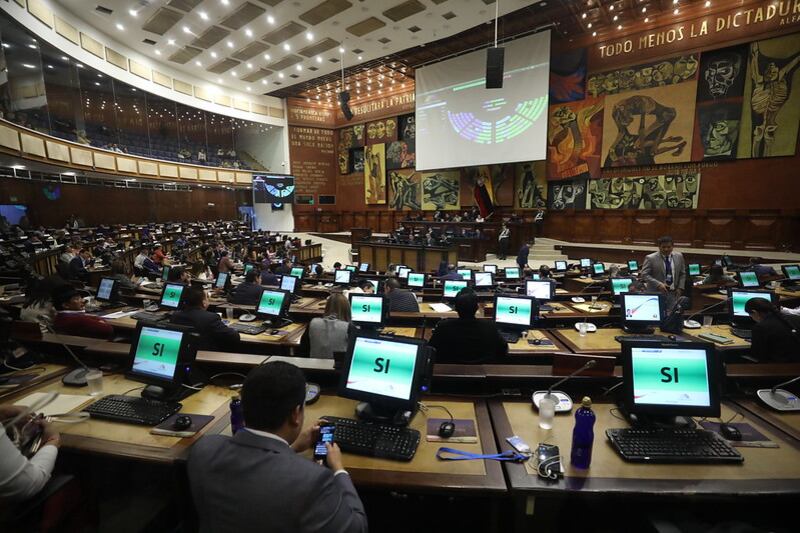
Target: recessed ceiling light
319, 59
250, 66
308, 99
248, 88
309, 36
199, 64
286, 47
341, 49
120, 27
589, 25
708, 3
233, 73
270, 19
97, 83
203, 15
583, 16
248, 32
133, 13
186, 29
647, 19
219, 80
360, 58
158, 52
280, 74
615, 18
28, 65
32, 46
171, 42
230, 44
263, 82
611, 7
676, 11
213, 54
644, 9
299, 67
225, 2
619, 27
267, 57
594, 34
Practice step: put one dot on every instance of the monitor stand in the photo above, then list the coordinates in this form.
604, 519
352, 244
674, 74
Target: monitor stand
167, 394
657, 421
383, 414
638, 330
277, 322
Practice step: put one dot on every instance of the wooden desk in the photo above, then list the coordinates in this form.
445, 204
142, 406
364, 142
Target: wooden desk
601, 341
523, 348
49, 372
720, 329
786, 421
380, 255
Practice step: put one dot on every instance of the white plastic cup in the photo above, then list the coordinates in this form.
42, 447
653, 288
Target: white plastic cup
582, 328
146, 303
547, 412
229, 313
94, 378
708, 320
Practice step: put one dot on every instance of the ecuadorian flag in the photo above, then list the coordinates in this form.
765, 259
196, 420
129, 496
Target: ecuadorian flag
484, 193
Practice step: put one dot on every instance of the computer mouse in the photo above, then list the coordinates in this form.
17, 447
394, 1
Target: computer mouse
182, 422
247, 317
151, 308
730, 432
312, 393
672, 337
537, 341
578, 299
275, 332
691, 324
446, 430
76, 378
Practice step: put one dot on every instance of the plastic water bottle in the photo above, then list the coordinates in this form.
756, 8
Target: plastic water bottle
237, 416
583, 435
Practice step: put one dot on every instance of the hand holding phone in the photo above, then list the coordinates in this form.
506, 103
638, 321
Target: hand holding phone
326, 432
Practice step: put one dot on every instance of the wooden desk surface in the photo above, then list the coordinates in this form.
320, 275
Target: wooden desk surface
720, 329
132, 441
601, 341
523, 348
786, 421
42, 372
764, 471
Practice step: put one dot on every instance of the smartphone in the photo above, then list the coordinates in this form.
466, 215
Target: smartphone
325, 435
518, 444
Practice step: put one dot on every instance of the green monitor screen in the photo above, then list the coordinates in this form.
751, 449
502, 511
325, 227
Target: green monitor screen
157, 352
670, 377
620, 285
792, 272
740, 298
297, 272
351, 268
271, 303
599, 268
451, 288
512, 273
586, 262
465, 273
288, 283
513, 311
222, 280
247, 268
366, 308
633, 265
694, 269
165, 272
749, 279
172, 294
382, 367
536, 276
416, 279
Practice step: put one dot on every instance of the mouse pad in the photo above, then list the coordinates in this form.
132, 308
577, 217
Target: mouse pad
751, 437
167, 426
465, 431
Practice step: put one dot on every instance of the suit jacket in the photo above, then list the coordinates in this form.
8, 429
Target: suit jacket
653, 271
77, 270
214, 335
254, 483
403, 300
467, 341
245, 294
773, 340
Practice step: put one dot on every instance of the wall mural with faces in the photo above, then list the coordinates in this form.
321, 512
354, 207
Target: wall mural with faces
657, 74
670, 191
566, 195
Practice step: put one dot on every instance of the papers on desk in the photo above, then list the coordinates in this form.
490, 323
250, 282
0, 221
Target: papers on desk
120, 314
440, 308
64, 403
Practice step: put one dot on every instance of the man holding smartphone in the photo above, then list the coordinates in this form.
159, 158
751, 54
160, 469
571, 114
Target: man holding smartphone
257, 481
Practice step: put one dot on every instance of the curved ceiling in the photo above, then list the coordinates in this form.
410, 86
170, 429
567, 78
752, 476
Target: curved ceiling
264, 45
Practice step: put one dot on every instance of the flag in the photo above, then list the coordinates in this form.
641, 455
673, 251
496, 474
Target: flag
484, 195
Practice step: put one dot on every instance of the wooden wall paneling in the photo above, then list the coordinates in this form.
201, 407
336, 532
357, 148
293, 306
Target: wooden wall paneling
718, 229
646, 227
32, 145
347, 221
583, 226
385, 221
411, 257
681, 227
395, 256
167, 171
614, 224
105, 161
373, 219
304, 222
187, 173
360, 221
81, 157
57, 151
127, 165
760, 230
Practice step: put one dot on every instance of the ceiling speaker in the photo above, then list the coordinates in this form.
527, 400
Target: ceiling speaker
344, 98
494, 67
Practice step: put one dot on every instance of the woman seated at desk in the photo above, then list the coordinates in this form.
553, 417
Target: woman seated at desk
330, 334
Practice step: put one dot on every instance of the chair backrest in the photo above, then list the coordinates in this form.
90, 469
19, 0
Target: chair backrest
565, 364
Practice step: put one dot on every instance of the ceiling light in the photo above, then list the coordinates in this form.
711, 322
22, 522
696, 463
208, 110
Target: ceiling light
286, 47
213, 54
583, 16
133, 13
644, 9
280, 74
708, 3
309, 36
611, 7
158, 52
203, 15
97, 83
224, 2
263, 82
267, 57
647, 19
674, 1
308, 99
615, 18
360, 58
199, 64
319, 59
32, 46
248, 88
594, 34
250, 66
28, 65
676, 11
589, 25
341, 49
619, 27
120, 27
248, 32
299, 67
270, 19
233, 73
230, 44
186, 29
219, 80
171, 42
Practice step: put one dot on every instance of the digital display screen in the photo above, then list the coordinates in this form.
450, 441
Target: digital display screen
403, 272
325, 436
222, 280
541, 290
451, 287
749, 279
248, 268
382, 367
516, 311
165, 272
415, 279
490, 268
536, 276
157, 352
670, 377
483, 279
398, 267
694, 269
376, 285
465, 273
366, 308
288, 283
633, 266
792, 272
351, 268
586, 263
297, 272
271, 303
105, 290
599, 268
342, 277
561, 266
512, 273
172, 295
642, 308
740, 298
620, 285
363, 267
271, 189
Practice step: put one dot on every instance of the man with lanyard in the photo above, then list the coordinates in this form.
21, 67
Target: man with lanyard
664, 271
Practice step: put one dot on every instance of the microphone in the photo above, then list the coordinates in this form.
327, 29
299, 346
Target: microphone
780, 399
686, 323
561, 399
673, 322
578, 299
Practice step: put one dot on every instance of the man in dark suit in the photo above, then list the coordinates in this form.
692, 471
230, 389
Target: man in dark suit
77, 266
400, 299
664, 271
451, 273
285, 268
214, 335
248, 292
257, 481
522, 256
466, 339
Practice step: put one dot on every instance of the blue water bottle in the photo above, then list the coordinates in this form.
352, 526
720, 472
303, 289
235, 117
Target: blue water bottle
583, 435
237, 416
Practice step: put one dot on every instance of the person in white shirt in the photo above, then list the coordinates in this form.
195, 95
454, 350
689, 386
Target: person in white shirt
22, 478
140, 259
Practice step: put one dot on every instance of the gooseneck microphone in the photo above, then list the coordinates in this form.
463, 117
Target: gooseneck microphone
561, 399
780, 399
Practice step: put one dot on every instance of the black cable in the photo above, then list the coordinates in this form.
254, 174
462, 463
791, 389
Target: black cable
437, 406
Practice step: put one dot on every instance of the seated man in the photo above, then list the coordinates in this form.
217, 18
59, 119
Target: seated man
248, 292
257, 481
400, 299
214, 335
225, 263
761, 270
268, 277
71, 317
179, 275
77, 267
466, 339
285, 268
451, 273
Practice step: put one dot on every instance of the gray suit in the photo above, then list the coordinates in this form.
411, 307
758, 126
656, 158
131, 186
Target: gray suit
654, 271
255, 483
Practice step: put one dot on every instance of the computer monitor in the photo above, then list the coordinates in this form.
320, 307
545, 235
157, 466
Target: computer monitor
223, 278
465, 273
511, 272
274, 304
248, 268
402, 273
748, 279
670, 379
376, 285
737, 298
363, 267
297, 272
791, 272
536, 276
451, 288
107, 290
165, 272
586, 262
351, 268
386, 374
598, 269
490, 268
542, 290
641, 311
620, 285
515, 312
398, 267
172, 296
560, 266
694, 269
633, 265
289, 283
484, 279
342, 277
416, 280
368, 309
162, 354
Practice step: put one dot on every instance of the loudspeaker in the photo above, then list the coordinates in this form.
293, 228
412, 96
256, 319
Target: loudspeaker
344, 98
494, 67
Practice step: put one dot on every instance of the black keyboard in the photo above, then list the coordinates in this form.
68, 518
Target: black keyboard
132, 410
510, 337
672, 446
148, 316
791, 288
248, 329
375, 440
659, 338
742, 333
